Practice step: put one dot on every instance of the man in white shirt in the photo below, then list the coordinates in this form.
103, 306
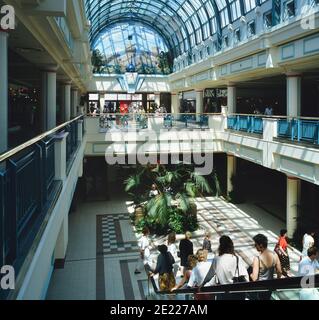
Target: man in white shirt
308, 241
309, 266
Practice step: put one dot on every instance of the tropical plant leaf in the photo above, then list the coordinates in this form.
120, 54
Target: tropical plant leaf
184, 203
158, 208
133, 182
191, 189
201, 183
217, 184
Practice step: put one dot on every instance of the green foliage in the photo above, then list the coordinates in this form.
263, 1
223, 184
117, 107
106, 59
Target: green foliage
98, 61
165, 62
172, 209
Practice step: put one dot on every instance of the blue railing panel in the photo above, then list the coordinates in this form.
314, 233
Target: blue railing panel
309, 131
243, 123
249, 124
203, 122
257, 125
299, 130
231, 122
168, 121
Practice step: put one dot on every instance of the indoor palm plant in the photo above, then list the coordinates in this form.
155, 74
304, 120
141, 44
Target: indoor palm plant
173, 208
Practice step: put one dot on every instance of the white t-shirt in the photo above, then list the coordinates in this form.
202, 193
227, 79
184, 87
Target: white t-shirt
199, 273
308, 267
308, 242
144, 244
173, 250
226, 266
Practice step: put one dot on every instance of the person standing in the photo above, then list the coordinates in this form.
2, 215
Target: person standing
265, 265
185, 249
164, 268
308, 267
282, 250
308, 241
228, 267
145, 251
171, 246
207, 245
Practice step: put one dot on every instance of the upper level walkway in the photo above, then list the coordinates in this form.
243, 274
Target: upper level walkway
103, 252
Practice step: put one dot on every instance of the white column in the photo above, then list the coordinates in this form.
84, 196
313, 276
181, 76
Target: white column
74, 102
199, 104
175, 103
60, 156
62, 242
3, 91
80, 130
231, 99
231, 170
293, 201
158, 99
48, 99
66, 98
293, 95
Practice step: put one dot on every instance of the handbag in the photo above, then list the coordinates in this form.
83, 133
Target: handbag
239, 278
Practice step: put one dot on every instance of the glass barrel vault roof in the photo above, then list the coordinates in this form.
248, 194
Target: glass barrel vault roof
183, 24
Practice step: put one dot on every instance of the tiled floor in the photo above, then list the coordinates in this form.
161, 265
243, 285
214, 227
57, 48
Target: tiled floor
103, 252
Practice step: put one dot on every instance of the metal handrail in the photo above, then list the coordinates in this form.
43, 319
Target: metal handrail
274, 117
12, 152
266, 285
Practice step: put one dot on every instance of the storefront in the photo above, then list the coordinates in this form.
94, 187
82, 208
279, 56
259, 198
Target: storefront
123, 102
214, 99
188, 102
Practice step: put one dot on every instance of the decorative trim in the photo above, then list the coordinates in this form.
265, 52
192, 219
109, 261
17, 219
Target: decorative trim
310, 39
289, 56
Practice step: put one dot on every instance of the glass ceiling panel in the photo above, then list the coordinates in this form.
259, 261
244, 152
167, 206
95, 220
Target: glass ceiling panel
130, 43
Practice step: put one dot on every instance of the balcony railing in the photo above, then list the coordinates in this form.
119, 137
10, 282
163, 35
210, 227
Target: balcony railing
245, 123
28, 188
147, 121
299, 130
245, 290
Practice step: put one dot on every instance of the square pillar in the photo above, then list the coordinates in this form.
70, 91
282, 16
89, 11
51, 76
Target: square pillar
48, 99
74, 102
293, 202
231, 99
60, 156
293, 95
231, 170
80, 130
66, 99
175, 103
199, 104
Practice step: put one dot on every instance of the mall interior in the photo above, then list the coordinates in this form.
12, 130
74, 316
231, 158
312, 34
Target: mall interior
94, 92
